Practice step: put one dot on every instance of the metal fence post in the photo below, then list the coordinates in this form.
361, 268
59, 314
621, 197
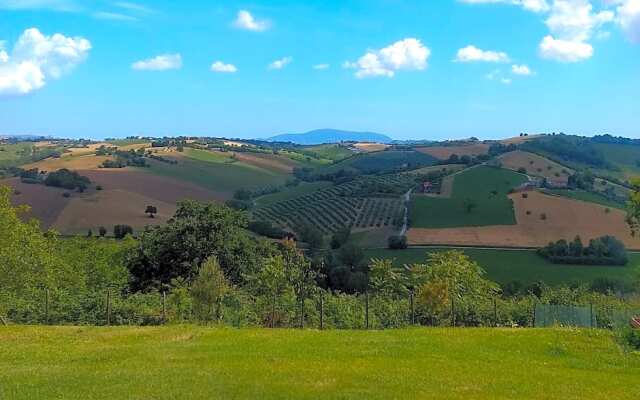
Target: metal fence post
164, 306
533, 322
413, 310
321, 311
108, 307
46, 306
495, 312
366, 308
453, 312
591, 315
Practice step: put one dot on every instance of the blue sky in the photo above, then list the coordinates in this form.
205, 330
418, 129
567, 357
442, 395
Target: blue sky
411, 69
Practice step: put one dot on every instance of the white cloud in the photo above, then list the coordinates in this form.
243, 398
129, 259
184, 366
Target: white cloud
281, 63
135, 7
530, 5
473, 54
572, 24
219, 66
111, 16
506, 81
522, 70
408, 54
321, 66
162, 62
567, 51
244, 20
628, 17
35, 58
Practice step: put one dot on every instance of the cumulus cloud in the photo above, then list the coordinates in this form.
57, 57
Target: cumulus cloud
162, 62
474, 54
36, 58
572, 24
567, 51
281, 63
628, 17
530, 5
404, 55
219, 66
244, 20
522, 70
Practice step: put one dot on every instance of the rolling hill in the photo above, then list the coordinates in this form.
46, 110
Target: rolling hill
321, 136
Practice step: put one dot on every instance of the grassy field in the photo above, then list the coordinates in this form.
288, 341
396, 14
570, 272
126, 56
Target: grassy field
185, 362
504, 266
586, 196
626, 157
334, 152
293, 192
216, 173
486, 187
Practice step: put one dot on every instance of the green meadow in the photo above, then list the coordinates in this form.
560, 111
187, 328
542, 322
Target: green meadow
188, 362
504, 266
486, 188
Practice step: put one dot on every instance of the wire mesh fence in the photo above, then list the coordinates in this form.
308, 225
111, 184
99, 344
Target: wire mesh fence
322, 311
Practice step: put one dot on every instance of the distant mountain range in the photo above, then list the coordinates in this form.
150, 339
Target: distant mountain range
321, 136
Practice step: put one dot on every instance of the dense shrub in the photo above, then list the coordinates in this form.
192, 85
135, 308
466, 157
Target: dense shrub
606, 250
67, 179
398, 242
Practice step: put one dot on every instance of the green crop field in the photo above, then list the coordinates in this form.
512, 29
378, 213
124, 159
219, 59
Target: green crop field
334, 152
290, 193
485, 187
586, 196
384, 161
625, 157
504, 266
186, 362
216, 173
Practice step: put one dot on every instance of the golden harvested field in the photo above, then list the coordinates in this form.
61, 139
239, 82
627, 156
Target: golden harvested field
370, 147
85, 162
565, 218
444, 152
108, 208
267, 161
536, 166
519, 139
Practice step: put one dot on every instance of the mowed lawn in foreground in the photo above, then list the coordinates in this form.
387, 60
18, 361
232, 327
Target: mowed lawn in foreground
207, 363
504, 266
484, 187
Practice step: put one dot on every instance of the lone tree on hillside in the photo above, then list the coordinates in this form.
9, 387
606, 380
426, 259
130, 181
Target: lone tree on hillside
151, 210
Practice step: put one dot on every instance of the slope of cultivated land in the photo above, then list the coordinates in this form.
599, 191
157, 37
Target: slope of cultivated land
72, 162
216, 175
293, 192
45, 202
624, 156
448, 168
382, 161
207, 363
504, 266
108, 208
565, 218
486, 187
334, 152
536, 165
444, 152
370, 147
350, 204
271, 162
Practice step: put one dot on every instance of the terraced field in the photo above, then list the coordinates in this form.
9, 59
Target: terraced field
343, 205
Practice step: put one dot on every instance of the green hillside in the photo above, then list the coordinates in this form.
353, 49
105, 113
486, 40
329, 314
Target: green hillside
504, 266
203, 363
486, 188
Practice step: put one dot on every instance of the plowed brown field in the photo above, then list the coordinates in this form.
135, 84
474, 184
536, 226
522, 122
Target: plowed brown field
536, 166
444, 152
565, 219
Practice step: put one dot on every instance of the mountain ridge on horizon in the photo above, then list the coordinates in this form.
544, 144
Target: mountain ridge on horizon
327, 135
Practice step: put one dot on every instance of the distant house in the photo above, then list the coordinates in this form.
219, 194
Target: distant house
429, 187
